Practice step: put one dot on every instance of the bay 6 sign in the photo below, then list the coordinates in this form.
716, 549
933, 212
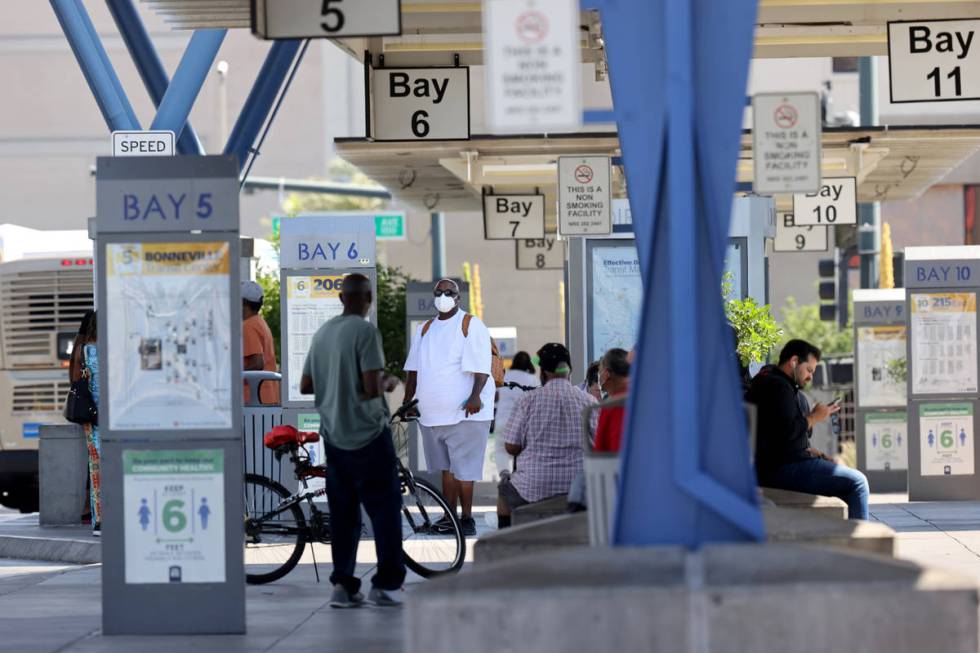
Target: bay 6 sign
421, 104
934, 61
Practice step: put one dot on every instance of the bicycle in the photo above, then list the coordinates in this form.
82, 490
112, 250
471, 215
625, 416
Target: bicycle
277, 529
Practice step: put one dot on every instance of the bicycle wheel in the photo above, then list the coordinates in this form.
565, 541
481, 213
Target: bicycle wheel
430, 550
274, 541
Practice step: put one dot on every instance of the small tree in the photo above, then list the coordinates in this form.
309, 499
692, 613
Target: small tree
392, 318
804, 323
755, 329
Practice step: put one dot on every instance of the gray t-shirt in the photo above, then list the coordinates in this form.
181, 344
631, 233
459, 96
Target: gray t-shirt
342, 349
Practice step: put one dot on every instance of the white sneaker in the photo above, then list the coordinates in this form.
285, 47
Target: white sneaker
341, 598
385, 598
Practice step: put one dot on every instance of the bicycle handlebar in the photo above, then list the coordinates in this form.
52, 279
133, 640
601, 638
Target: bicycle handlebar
518, 386
400, 413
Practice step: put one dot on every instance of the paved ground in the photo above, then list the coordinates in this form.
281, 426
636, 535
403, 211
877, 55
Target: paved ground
49, 607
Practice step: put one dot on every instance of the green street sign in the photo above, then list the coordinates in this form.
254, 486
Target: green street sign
389, 226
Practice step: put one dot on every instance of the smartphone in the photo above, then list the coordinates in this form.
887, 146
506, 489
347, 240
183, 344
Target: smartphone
836, 401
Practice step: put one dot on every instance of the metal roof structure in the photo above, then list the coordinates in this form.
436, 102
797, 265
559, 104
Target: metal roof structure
894, 163
435, 30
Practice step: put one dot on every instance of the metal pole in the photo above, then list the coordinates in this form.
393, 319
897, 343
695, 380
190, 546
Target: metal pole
869, 214
194, 67
149, 65
438, 246
95, 65
261, 98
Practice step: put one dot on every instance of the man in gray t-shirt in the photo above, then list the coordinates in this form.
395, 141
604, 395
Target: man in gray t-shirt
344, 370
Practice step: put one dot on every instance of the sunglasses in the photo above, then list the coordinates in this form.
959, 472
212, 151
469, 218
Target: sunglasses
447, 293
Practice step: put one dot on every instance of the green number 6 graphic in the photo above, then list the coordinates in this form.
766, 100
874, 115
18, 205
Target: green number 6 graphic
946, 439
174, 520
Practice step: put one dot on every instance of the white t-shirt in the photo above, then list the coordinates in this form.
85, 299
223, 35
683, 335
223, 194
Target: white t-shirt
445, 362
507, 397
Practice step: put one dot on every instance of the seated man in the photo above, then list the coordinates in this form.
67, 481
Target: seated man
545, 433
614, 379
783, 456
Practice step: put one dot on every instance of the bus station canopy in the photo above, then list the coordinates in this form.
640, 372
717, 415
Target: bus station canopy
890, 163
435, 30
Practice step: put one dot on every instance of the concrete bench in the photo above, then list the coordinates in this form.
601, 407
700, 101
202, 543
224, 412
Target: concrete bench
764, 598
784, 525
830, 506
539, 510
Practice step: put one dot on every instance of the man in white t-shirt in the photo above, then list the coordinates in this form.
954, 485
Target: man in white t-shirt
448, 371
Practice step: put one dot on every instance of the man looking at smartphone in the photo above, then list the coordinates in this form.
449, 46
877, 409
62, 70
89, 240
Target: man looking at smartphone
784, 458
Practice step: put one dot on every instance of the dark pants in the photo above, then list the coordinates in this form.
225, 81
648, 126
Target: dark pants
367, 475
818, 476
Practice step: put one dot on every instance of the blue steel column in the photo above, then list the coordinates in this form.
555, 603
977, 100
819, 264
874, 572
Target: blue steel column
686, 477
261, 98
194, 66
149, 65
95, 65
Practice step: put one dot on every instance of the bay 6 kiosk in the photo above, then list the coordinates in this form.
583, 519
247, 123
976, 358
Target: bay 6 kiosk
880, 388
316, 252
170, 404
942, 285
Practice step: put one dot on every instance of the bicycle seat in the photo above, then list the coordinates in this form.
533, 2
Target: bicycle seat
285, 435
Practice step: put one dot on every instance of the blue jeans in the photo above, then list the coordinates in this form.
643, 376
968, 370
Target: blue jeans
818, 476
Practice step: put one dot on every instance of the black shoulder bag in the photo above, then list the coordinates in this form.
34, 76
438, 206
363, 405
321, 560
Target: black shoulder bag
80, 407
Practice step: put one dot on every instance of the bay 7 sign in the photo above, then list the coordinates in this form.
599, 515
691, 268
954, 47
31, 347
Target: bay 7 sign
421, 104
834, 203
934, 61
507, 217
299, 19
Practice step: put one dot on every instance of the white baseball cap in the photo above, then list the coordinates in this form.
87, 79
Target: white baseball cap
251, 292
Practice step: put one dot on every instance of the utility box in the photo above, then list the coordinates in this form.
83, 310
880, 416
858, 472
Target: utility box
881, 406
941, 307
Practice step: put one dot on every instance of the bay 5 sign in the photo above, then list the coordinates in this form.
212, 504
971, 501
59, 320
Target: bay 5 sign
934, 61
420, 104
507, 217
834, 203
299, 19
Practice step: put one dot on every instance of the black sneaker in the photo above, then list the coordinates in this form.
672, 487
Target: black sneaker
468, 524
443, 526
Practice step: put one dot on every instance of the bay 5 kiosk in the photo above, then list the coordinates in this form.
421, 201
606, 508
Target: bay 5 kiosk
170, 404
942, 285
880, 400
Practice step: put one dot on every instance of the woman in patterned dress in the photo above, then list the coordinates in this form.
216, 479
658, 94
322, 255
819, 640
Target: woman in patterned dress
85, 363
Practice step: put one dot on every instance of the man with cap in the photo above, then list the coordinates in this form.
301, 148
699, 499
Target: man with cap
448, 369
545, 433
258, 347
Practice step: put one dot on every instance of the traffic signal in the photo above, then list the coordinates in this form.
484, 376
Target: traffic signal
827, 290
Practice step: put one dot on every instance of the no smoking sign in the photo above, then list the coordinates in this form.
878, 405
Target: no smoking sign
786, 116
583, 174
532, 27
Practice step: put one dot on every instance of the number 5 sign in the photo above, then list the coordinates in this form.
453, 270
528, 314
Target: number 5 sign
835, 203
297, 19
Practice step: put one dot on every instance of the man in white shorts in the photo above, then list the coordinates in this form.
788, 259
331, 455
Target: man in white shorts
448, 371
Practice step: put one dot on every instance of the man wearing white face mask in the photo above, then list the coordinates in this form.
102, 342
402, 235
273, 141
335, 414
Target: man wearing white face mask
449, 365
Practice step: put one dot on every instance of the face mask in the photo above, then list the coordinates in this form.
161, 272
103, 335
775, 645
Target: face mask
445, 304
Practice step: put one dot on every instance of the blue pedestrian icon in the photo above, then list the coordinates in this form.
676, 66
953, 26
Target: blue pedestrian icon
144, 514
962, 437
874, 440
931, 439
899, 440
204, 511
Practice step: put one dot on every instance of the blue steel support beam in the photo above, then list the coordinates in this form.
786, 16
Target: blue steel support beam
261, 99
96, 67
685, 472
148, 64
188, 79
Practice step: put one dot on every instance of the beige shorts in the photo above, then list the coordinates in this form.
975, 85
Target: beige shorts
458, 448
